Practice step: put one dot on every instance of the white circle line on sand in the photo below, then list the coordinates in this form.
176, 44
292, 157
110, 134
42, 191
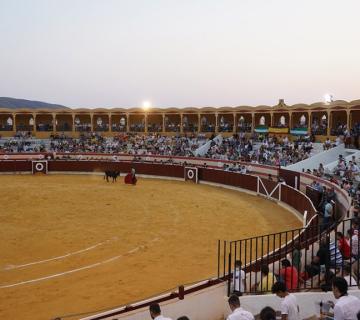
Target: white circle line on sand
60, 274
76, 270
56, 258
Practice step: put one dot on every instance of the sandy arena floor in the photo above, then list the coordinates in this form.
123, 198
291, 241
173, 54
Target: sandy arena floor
105, 244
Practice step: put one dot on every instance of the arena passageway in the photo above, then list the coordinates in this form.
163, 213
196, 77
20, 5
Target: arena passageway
74, 243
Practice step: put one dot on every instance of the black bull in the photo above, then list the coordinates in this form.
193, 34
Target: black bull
111, 174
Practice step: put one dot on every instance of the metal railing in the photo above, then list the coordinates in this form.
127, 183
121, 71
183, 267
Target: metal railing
315, 257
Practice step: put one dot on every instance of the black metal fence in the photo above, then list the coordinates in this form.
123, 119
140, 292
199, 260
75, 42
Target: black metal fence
305, 258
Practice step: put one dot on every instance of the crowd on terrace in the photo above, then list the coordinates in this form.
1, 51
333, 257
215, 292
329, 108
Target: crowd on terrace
260, 148
335, 259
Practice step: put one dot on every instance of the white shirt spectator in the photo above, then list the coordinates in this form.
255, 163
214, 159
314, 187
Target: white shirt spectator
346, 308
354, 168
240, 314
354, 245
238, 280
162, 318
289, 306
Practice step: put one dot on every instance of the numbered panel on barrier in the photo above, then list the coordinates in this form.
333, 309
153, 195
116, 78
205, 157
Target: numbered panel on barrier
40, 166
191, 174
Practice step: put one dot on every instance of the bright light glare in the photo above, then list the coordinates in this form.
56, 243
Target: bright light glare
146, 105
328, 98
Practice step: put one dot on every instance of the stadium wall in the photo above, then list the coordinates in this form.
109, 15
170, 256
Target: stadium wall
211, 304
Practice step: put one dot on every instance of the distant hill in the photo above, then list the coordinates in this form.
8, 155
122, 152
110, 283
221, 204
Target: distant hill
13, 103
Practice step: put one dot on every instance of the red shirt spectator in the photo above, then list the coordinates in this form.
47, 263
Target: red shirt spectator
289, 275
344, 245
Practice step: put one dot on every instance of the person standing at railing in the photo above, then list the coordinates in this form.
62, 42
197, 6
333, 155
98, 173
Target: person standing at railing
238, 279
327, 215
354, 241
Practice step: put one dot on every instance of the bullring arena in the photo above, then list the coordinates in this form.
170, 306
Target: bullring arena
77, 247
74, 243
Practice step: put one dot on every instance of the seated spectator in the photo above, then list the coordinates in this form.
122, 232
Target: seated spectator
340, 168
321, 258
354, 169
327, 144
289, 274
336, 259
266, 282
317, 186
343, 245
237, 313
289, 306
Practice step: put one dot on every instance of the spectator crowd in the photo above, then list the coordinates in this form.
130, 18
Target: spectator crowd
258, 149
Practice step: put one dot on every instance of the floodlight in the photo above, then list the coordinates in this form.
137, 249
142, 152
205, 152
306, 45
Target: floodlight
146, 105
328, 98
